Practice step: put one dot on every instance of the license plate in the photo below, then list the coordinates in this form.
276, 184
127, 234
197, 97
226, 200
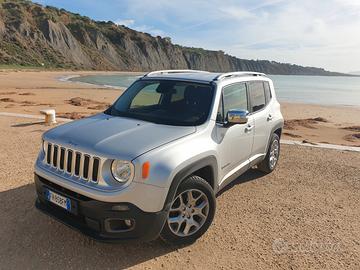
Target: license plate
58, 199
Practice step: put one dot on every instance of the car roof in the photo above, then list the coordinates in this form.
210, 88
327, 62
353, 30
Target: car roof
198, 75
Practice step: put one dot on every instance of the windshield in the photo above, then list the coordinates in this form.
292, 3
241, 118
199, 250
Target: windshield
165, 102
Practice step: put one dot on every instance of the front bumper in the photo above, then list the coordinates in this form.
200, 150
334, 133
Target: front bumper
96, 219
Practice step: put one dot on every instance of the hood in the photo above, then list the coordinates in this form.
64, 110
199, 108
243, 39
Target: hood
115, 137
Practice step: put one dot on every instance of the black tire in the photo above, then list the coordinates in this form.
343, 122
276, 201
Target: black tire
192, 184
265, 165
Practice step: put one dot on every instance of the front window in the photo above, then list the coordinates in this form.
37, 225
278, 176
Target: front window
234, 97
165, 102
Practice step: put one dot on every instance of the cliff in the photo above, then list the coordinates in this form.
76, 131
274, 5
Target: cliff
33, 35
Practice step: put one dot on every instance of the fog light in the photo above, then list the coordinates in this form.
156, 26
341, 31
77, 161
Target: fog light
115, 225
128, 223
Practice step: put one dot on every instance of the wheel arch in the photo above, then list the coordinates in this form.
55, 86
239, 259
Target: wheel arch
206, 168
277, 129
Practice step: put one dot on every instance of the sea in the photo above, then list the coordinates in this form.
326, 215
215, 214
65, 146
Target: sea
321, 90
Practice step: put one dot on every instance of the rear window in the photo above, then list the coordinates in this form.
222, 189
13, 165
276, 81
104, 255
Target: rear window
257, 96
268, 95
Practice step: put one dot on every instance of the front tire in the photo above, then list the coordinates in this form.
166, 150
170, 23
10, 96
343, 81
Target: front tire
191, 212
272, 156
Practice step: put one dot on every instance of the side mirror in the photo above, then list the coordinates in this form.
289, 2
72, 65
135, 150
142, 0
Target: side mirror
234, 117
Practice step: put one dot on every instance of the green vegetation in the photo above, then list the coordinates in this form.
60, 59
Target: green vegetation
36, 37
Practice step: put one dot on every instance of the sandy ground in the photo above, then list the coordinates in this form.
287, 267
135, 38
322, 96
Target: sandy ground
323, 124
29, 91
304, 215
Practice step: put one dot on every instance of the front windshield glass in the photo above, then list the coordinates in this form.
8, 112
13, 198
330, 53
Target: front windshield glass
165, 102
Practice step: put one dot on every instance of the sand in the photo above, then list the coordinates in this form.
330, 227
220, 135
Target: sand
30, 91
333, 124
303, 215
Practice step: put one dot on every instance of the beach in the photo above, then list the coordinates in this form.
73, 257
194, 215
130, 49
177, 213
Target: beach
303, 215
28, 92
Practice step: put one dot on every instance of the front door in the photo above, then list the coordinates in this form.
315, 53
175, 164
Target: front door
234, 142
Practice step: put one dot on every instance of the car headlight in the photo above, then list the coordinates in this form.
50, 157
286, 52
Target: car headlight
123, 171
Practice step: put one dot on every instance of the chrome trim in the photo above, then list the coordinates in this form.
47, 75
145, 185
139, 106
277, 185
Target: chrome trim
71, 173
73, 160
91, 164
173, 71
237, 74
237, 116
58, 157
99, 169
51, 154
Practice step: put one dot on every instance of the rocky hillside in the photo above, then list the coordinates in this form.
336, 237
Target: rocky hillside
33, 35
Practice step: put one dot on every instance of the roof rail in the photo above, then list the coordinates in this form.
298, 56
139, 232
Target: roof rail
237, 74
172, 71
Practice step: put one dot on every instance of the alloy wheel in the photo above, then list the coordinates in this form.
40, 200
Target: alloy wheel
188, 212
274, 154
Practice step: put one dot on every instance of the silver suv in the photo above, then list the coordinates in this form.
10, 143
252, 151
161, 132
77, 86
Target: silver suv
152, 163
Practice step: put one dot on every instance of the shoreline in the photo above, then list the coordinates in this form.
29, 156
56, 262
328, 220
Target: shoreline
68, 79
110, 73
29, 92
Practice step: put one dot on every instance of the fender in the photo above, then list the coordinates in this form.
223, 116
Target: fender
275, 127
187, 171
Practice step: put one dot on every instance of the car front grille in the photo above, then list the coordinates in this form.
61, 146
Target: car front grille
72, 162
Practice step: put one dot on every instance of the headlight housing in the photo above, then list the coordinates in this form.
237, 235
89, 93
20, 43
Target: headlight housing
122, 171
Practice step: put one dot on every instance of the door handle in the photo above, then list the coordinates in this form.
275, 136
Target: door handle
269, 118
249, 128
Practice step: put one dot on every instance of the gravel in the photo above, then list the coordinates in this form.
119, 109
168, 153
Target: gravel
303, 215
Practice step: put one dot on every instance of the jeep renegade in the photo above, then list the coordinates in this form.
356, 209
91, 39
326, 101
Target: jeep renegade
152, 163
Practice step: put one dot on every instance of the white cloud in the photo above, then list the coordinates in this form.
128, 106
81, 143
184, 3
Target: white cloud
141, 28
236, 13
306, 32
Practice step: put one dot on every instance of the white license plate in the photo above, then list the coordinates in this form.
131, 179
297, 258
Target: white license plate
58, 199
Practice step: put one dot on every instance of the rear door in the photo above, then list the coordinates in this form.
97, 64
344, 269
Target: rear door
260, 96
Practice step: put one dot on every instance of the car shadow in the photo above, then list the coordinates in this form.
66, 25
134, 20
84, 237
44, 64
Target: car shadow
250, 175
29, 237
32, 239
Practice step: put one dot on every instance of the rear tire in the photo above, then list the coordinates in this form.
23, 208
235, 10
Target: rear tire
272, 156
191, 212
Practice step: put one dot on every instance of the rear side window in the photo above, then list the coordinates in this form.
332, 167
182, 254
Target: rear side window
257, 96
268, 95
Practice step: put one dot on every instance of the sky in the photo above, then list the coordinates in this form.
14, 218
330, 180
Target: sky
320, 33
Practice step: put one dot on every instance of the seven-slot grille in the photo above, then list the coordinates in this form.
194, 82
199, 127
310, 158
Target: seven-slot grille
72, 161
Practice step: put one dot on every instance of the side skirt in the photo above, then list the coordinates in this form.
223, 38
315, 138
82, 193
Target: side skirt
239, 170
